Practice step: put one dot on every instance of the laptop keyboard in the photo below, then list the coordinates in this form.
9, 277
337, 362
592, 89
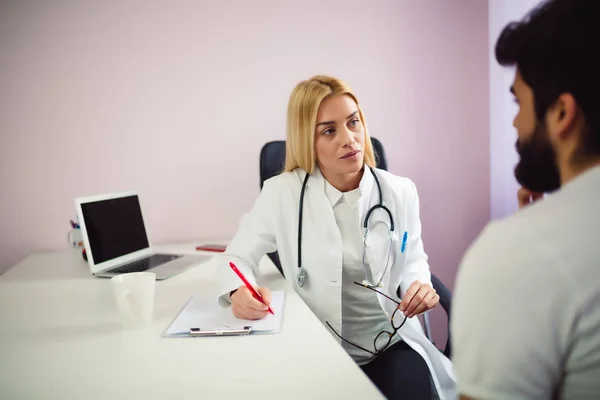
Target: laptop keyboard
145, 263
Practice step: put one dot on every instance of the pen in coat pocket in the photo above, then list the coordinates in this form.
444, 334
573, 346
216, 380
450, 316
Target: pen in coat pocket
404, 239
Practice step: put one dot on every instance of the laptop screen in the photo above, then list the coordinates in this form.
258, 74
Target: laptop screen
114, 227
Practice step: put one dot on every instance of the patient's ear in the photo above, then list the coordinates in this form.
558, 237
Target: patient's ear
561, 118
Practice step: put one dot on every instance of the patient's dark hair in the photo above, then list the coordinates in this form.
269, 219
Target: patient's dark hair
556, 50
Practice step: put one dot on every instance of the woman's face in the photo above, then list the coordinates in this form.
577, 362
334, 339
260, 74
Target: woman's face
339, 137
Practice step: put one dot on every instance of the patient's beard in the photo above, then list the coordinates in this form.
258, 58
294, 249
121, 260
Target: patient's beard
537, 169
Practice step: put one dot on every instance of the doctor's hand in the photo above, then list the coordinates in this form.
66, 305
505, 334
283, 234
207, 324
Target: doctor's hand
419, 297
526, 197
245, 306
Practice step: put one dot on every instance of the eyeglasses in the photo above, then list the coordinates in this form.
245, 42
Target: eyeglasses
384, 338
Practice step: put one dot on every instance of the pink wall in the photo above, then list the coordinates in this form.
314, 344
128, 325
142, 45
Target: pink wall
176, 99
503, 109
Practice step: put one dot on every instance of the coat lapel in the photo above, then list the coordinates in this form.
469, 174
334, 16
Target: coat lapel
320, 230
379, 249
321, 254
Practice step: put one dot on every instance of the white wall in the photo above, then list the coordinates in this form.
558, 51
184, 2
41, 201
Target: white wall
503, 156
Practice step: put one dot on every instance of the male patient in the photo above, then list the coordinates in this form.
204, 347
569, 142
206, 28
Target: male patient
526, 312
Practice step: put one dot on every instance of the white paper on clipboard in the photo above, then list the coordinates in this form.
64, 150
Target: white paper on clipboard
206, 314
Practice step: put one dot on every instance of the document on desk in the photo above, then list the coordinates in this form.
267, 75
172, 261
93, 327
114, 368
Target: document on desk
204, 316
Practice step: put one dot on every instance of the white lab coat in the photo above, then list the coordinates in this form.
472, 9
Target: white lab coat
272, 224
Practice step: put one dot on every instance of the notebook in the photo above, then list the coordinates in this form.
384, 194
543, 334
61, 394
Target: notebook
204, 316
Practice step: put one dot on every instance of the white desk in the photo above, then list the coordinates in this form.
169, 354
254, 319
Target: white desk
60, 338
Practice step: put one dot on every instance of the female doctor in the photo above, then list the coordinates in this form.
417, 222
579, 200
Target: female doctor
348, 236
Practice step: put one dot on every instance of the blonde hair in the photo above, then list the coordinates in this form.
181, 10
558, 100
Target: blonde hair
303, 107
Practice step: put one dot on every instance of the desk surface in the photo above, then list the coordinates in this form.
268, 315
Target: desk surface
60, 338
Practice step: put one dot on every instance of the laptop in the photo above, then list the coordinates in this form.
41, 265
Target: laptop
116, 242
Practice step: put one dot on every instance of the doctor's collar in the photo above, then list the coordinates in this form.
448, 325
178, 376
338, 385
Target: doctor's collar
366, 183
334, 195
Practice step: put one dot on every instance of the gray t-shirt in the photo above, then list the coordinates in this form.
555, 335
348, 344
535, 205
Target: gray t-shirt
526, 309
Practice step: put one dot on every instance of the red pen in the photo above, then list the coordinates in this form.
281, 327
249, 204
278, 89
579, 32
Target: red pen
256, 295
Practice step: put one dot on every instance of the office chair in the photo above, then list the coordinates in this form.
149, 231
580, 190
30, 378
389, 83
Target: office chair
272, 158
272, 161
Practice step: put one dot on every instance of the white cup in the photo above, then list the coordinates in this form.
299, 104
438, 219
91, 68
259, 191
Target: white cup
75, 238
134, 295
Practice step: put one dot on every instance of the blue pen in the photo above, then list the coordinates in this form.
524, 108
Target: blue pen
404, 239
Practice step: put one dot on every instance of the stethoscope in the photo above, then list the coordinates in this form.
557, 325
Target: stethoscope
368, 281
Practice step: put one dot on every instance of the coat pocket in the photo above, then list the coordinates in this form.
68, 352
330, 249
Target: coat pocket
382, 248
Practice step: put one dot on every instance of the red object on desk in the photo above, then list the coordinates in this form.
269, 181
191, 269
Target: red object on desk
256, 295
219, 248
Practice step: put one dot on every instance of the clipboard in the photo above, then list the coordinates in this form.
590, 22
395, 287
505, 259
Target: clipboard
203, 316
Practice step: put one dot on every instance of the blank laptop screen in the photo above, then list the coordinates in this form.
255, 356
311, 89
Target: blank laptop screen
114, 227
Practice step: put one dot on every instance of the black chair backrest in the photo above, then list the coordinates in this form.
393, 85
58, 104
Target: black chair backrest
446, 303
272, 158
